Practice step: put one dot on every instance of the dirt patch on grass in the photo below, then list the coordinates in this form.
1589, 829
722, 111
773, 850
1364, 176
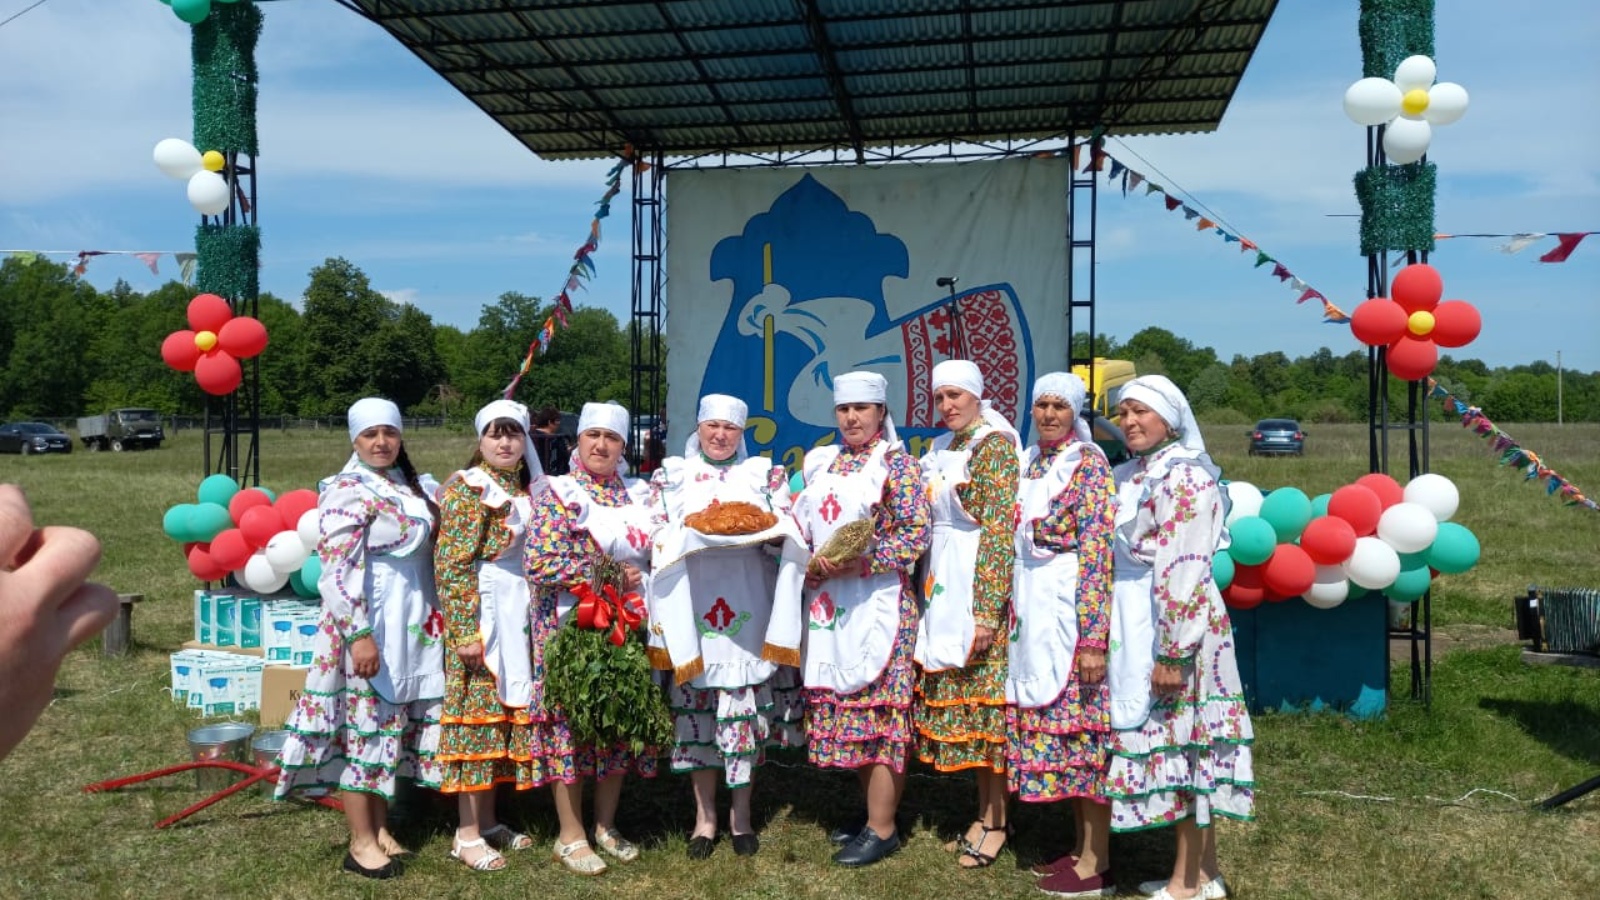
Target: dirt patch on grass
1460, 636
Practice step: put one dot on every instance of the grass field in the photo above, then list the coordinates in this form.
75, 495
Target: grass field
1427, 803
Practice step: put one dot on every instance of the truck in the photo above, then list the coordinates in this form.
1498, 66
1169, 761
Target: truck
1103, 379
122, 429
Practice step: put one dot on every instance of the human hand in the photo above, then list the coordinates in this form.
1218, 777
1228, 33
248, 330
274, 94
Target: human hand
471, 655
1091, 666
982, 637
1167, 679
364, 656
46, 609
820, 570
631, 577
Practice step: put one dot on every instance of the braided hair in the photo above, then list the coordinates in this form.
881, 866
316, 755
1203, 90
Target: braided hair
403, 462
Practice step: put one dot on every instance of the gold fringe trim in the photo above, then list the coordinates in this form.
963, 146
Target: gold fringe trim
658, 658
783, 656
688, 670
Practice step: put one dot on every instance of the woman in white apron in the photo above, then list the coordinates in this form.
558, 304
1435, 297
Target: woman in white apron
971, 474
593, 509
731, 697
484, 735
370, 711
1060, 718
861, 616
1181, 732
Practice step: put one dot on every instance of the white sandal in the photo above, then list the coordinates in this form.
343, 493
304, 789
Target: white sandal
1215, 889
579, 865
490, 861
502, 837
615, 844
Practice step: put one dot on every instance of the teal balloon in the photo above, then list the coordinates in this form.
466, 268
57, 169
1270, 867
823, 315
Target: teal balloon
1222, 569
1454, 550
178, 523
271, 494
1410, 585
297, 583
1357, 592
310, 573
1412, 560
1319, 505
797, 482
192, 11
1288, 511
1253, 540
218, 489
207, 520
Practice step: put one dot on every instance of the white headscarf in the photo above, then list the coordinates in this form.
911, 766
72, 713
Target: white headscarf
372, 411
1163, 397
611, 416
719, 408
516, 412
1073, 392
867, 387
964, 374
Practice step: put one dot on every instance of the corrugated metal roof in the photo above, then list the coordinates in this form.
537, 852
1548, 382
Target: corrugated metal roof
581, 78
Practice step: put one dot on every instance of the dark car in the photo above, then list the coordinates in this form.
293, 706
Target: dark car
1275, 437
33, 437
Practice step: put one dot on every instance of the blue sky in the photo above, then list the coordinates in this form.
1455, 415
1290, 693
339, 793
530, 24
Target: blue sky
367, 154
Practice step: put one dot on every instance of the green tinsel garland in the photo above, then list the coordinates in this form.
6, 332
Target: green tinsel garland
1396, 207
225, 77
1392, 30
229, 260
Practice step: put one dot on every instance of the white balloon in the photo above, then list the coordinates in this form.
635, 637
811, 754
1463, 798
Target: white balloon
1415, 72
1246, 499
1408, 527
1406, 140
1329, 589
309, 530
285, 552
208, 193
1374, 565
261, 577
1437, 493
1447, 102
1372, 101
177, 158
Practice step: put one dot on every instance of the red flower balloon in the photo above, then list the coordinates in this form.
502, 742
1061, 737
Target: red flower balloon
1413, 324
213, 345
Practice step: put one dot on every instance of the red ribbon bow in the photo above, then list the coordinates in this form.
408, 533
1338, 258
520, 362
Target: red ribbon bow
606, 608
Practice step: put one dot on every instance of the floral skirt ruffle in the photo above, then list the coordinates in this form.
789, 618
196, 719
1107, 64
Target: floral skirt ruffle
1058, 751
873, 725
732, 728
961, 715
482, 743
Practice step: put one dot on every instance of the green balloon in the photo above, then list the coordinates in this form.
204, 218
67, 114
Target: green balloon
207, 520
1410, 585
177, 523
310, 574
1287, 510
1253, 540
1222, 569
192, 11
271, 494
1319, 505
1454, 550
218, 489
1412, 560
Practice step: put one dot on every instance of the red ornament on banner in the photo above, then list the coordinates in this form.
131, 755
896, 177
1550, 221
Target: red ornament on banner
1413, 324
213, 345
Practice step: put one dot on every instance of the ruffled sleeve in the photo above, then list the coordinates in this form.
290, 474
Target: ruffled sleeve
346, 509
990, 497
1188, 521
900, 522
463, 522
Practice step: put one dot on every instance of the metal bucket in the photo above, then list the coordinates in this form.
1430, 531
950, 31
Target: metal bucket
265, 749
224, 741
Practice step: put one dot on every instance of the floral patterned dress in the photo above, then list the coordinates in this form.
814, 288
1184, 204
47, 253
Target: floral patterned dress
376, 552
1191, 757
558, 558
482, 742
1058, 750
872, 726
961, 713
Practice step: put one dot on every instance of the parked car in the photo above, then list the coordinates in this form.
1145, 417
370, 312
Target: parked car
122, 429
1275, 437
33, 437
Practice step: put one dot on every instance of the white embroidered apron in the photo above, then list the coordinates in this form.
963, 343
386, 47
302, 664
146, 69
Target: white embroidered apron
947, 627
851, 621
1131, 656
1044, 637
623, 533
403, 611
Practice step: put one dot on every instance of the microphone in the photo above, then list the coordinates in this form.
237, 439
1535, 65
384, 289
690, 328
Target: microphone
945, 281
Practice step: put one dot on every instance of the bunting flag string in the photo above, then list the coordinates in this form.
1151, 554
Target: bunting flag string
1508, 452
1132, 178
79, 259
1566, 242
581, 270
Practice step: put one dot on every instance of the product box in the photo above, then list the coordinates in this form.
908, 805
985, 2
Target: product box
226, 608
214, 683
249, 634
281, 687
231, 651
278, 620
305, 637
205, 617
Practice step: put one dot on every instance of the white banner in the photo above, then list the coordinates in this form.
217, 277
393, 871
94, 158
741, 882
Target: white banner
779, 279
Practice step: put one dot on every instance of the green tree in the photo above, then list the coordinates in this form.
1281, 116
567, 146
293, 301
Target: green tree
404, 360
343, 314
46, 325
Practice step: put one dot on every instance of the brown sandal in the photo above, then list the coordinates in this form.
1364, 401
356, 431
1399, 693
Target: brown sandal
981, 860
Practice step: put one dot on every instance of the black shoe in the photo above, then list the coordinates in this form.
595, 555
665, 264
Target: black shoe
389, 869
848, 832
701, 847
746, 844
867, 848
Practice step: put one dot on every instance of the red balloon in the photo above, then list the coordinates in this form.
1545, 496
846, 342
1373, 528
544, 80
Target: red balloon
1328, 540
229, 550
1378, 321
243, 500
203, 566
1417, 286
1239, 596
259, 524
218, 374
1247, 576
1357, 505
1289, 571
1388, 490
1455, 323
243, 337
1412, 359
294, 504
179, 351
208, 312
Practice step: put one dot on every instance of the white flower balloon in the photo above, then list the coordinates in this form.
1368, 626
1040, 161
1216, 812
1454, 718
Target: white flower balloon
1409, 105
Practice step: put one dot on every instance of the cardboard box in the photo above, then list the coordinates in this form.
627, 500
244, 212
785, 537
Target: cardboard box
278, 620
215, 683
229, 651
281, 687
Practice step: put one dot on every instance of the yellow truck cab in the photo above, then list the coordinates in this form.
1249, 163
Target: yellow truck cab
1103, 379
